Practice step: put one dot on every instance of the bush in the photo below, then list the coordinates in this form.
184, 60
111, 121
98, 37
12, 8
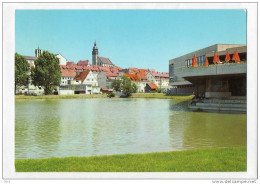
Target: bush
111, 95
159, 90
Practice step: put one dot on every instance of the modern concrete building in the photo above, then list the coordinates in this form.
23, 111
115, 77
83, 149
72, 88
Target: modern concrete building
221, 80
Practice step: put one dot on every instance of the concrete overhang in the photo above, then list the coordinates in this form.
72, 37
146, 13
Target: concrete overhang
216, 70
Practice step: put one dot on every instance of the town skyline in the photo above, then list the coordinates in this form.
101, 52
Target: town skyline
129, 38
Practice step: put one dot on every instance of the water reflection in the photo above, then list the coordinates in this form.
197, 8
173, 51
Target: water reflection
36, 125
198, 130
85, 127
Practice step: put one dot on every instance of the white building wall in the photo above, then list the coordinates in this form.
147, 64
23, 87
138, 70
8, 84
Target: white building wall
91, 82
64, 80
62, 59
66, 92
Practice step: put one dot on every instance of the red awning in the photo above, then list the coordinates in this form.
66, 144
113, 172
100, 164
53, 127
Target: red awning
194, 61
227, 58
207, 62
236, 57
216, 58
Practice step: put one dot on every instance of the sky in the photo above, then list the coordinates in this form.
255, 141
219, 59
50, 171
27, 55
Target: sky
129, 38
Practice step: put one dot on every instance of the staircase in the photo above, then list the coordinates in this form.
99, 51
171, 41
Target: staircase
231, 104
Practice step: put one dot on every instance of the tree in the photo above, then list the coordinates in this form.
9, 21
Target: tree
47, 72
22, 69
116, 85
134, 86
127, 87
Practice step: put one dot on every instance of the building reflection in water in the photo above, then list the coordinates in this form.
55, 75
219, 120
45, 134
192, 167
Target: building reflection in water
191, 130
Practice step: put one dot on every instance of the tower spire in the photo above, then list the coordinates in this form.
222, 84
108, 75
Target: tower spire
94, 54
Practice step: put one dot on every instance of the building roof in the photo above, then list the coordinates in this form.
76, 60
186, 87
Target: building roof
83, 63
105, 60
152, 86
132, 77
215, 47
65, 72
30, 57
142, 74
104, 89
70, 63
82, 75
160, 74
242, 49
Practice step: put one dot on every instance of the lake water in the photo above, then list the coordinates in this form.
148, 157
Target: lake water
85, 127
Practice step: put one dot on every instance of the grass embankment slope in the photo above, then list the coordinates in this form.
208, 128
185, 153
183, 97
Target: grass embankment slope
135, 95
202, 160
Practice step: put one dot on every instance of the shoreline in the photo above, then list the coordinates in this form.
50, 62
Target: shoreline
85, 96
196, 160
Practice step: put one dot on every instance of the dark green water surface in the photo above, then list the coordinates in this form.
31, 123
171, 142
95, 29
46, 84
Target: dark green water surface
87, 127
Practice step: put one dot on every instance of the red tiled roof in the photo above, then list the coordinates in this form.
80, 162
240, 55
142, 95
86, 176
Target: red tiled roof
83, 63
132, 77
134, 70
104, 89
82, 75
152, 86
68, 72
30, 57
142, 74
160, 74
70, 63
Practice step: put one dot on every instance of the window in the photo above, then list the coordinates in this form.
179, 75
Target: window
171, 69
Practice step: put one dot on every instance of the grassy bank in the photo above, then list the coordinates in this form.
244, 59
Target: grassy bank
135, 95
61, 96
210, 159
161, 96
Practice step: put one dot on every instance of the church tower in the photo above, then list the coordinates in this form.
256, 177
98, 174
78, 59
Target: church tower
38, 52
95, 54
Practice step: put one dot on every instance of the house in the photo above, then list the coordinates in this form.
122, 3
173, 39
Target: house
86, 82
137, 80
105, 90
62, 59
67, 75
161, 79
105, 78
150, 87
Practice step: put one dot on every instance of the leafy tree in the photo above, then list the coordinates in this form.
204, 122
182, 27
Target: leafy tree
22, 68
116, 85
47, 72
134, 87
127, 87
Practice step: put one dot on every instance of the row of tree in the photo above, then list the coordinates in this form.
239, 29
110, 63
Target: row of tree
124, 85
46, 72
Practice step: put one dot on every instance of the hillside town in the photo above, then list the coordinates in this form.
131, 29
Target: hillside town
84, 77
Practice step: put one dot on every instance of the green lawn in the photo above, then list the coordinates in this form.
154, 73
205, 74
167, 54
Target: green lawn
61, 96
202, 160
